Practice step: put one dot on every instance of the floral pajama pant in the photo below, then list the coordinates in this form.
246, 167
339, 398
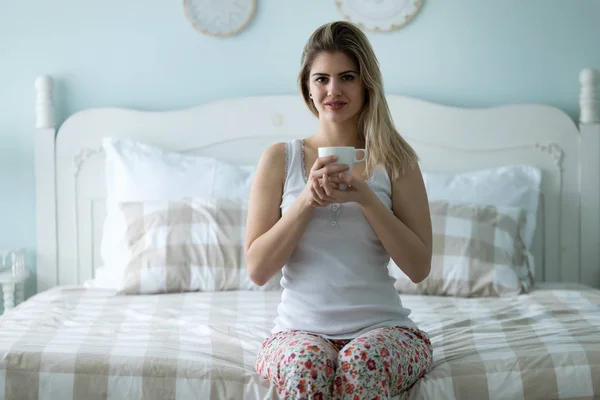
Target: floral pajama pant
376, 365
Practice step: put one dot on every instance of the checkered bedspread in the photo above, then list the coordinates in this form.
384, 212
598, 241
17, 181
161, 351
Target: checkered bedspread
73, 343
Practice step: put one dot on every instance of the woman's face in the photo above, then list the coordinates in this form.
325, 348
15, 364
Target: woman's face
335, 87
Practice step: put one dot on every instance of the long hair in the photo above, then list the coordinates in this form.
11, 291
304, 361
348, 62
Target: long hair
376, 128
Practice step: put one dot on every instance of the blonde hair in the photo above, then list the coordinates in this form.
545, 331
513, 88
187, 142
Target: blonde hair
376, 128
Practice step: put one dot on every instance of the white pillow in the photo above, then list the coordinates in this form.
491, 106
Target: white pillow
510, 185
138, 171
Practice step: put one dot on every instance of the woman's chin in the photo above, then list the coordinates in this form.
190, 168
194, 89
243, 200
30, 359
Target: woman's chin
337, 118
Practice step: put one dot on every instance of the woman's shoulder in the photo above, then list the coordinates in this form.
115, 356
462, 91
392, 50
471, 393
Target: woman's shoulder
275, 159
270, 169
277, 153
273, 156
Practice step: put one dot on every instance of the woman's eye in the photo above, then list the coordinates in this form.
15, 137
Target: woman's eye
321, 79
347, 77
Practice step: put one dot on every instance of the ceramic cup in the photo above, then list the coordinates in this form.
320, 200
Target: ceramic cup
346, 155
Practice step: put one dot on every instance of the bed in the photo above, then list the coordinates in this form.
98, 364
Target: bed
75, 340
70, 342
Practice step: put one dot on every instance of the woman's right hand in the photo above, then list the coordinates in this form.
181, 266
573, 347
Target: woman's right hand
322, 178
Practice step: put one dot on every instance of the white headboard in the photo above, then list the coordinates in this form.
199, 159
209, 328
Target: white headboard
70, 175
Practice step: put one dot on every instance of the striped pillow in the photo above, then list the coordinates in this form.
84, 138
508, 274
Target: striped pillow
185, 245
478, 251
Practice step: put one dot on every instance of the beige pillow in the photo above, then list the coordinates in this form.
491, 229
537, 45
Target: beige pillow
185, 245
478, 251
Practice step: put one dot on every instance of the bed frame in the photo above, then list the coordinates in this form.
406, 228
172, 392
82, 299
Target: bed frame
70, 177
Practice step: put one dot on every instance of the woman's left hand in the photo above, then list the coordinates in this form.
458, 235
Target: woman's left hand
357, 191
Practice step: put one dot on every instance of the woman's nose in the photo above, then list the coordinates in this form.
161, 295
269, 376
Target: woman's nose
334, 88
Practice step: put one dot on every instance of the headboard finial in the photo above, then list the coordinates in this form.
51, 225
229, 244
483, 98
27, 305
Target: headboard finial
588, 97
44, 105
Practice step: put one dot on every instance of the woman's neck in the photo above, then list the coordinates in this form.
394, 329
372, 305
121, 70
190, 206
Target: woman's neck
331, 134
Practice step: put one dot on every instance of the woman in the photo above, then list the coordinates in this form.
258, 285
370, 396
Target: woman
341, 330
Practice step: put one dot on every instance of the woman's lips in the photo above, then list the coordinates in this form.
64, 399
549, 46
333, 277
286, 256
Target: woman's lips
335, 105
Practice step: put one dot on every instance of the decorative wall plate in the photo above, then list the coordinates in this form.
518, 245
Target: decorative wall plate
219, 18
379, 15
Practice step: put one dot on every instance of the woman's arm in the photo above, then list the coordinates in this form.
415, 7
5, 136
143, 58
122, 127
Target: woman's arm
271, 238
406, 231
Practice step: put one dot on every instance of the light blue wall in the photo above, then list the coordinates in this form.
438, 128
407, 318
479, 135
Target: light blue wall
144, 54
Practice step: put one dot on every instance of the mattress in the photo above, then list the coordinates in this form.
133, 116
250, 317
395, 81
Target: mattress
77, 343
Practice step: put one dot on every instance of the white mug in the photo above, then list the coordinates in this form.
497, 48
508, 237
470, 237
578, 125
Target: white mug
346, 155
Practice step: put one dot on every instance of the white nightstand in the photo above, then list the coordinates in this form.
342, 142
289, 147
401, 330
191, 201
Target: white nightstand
12, 276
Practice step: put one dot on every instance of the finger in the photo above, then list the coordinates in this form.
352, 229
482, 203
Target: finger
319, 193
326, 187
316, 199
320, 162
324, 197
332, 180
315, 203
331, 184
351, 183
323, 194
329, 191
318, 189
348, 179
332, 169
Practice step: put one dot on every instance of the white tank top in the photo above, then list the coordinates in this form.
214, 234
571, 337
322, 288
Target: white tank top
336, 283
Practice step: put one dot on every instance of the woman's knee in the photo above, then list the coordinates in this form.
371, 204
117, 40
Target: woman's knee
309, 359
307, 371
390, 359
301, 368
363, 358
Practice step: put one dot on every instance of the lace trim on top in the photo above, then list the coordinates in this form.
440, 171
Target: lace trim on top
286, 167
302, 161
